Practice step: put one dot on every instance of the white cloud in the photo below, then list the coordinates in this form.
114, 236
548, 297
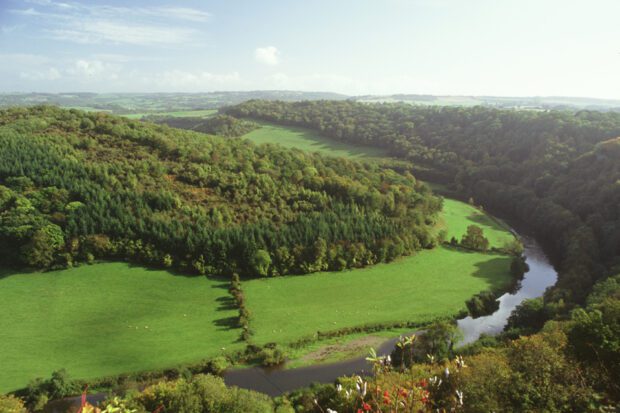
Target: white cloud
269, 55
178, 80
23, 59
46, 74
27, 12
184, 13
93, 70
8, 29
94, 24
314, 82
100, 31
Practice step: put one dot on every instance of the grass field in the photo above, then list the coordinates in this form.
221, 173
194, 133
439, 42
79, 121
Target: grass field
309, 140
457, 216
107, 319
178, 114
420, 288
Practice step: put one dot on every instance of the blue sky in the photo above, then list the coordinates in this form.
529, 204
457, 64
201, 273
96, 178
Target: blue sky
462, 47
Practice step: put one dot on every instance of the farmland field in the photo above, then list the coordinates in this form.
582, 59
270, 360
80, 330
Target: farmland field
108, 319
308, 140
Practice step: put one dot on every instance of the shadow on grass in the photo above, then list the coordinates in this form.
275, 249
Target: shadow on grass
9, 271
495, 272
482, 219
225, 303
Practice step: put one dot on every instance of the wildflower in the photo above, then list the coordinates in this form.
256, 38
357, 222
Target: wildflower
403, 393
366, 406
331, 411
364, 389
339, 388
447, 372
386, 397
435, 381
459, 395
460, 363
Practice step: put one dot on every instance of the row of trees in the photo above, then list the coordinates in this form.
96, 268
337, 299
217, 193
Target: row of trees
77, 187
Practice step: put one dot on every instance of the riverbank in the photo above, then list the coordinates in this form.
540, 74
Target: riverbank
274, 382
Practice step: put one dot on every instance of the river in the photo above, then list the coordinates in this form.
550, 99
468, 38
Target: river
275, 382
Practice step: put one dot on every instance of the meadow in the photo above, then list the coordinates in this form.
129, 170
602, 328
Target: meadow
434, 283
457, 216
420, 288
107, 319
113, 318
308, 140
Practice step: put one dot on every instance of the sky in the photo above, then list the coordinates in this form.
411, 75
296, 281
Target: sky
355, 47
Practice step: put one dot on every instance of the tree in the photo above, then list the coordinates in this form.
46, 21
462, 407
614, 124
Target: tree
474, 239
437, 341
529, 316
45, 242
261, 262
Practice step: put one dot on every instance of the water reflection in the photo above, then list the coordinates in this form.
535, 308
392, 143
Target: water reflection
540, 276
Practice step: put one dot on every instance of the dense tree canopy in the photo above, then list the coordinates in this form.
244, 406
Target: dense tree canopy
78, 186
221, 125
556, 173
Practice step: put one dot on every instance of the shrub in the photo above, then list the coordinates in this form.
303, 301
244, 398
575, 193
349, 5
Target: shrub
11, 404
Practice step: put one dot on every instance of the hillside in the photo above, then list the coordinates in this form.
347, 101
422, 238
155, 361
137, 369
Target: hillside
536, 168
78, 186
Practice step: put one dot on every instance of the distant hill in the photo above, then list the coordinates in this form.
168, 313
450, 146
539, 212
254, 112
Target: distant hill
125, 103
158, 103
533, 102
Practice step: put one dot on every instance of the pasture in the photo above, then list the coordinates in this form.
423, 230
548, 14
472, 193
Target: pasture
309, 140
457, 216
434, 283
107, 319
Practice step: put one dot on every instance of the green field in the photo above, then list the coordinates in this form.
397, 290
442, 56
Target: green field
203, 113
309, 140
420, 288
112, 318
108, 319
457, 216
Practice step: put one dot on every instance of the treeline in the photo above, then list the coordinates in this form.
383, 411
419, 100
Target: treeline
556, 173
78, 186
221, 125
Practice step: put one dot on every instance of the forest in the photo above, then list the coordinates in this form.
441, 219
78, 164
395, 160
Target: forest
76, 187
555, 173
